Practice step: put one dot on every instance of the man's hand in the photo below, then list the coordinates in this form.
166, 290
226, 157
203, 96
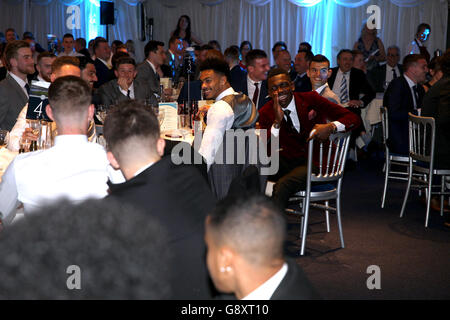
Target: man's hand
278, 111
322, 131
29, 135
122, 82
355, 103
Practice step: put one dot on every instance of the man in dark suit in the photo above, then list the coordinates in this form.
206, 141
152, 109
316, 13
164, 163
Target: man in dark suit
103, 68
349, 84
231, 56
125, 87
380, 76
176, 195
404, 94
14, 89
149, 72
301, 65
253, 83
245, 257
286, 117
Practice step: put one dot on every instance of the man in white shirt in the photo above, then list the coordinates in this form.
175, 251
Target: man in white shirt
68, 47
417, 46
44, 66
14, 88
245, 257
103, 67
318, 73
215, 74
380, 76
73, 168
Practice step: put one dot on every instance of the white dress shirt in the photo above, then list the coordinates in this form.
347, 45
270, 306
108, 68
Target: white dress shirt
266, 290
411, 84
74, 169
390, 73
125, 92
220, 118
72, 53
20, 82
413, 48
337, 83
251, 89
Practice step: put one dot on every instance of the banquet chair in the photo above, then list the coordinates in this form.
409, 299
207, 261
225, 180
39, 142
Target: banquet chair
421, 150
391, 158
324, 182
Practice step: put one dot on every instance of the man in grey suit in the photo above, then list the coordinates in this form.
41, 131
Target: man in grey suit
149, 72
14, 88
125, 87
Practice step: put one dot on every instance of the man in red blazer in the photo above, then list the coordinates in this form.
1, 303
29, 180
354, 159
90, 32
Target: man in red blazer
292, 116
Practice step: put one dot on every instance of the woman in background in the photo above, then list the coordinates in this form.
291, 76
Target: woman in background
183, 31
371, 46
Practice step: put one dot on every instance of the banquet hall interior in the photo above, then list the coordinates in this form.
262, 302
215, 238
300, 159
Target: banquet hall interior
162, 53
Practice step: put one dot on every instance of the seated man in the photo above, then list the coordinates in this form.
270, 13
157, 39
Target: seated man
404, 94
61, 66
286, 116
125, 87
73, 168
318, 73
245, 257
380, 76
176, 195
301, 66
149, 72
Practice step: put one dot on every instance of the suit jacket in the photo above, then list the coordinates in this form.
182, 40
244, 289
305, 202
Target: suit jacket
358, 85
302, 84
148, 77
110, 93
377, 76
293, 144
3, 73
180, 199
103, 73
399, 101
436, 104
12, 100
295, 285
240, 85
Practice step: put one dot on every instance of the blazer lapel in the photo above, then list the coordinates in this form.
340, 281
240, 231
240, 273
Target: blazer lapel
16, 87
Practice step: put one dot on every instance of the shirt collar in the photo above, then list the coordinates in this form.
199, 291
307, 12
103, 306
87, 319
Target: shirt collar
266, 290
18, 80
70, 139
321, 88
152, 65
251, 81
143, 169
410, 82
225, 93
420, 43
104, 62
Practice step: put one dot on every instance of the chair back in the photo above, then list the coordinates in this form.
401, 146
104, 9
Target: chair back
332, 156
384, 125
421, 138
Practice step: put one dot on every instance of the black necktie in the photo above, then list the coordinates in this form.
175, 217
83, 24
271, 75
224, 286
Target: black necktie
289, 120
128, 93
255, 95
27, 87
395, 73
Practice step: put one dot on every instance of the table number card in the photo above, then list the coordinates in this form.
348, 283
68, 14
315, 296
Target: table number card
38, 101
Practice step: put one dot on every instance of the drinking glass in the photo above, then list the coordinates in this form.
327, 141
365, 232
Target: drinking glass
101, 112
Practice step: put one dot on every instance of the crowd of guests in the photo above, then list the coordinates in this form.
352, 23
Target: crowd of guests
194, 207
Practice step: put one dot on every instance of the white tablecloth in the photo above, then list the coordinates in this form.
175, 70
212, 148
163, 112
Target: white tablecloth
371, 114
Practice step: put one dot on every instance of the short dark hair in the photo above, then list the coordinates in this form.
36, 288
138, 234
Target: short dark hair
217, 65
243, 43
69, 95
97, 42
81, 42
320, 58
253, 226
124, 60
206, 47
119, 258
445, 63
308, 54
84, 61
213, 43
344, 51
276, 71
411, 59
423, 26
12, 50
279, 44
152, 46
304, 44
116, 57
64, 60
116, 42
254, 54
68, 35
172, 40
45, 54
232, 52
130, 119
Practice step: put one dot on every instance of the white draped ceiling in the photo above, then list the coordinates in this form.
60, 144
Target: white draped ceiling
328, 25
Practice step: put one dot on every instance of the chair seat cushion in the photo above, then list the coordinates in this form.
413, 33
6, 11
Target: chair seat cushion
323, 187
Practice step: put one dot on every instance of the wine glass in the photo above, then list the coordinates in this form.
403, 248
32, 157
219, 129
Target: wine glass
4, 138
